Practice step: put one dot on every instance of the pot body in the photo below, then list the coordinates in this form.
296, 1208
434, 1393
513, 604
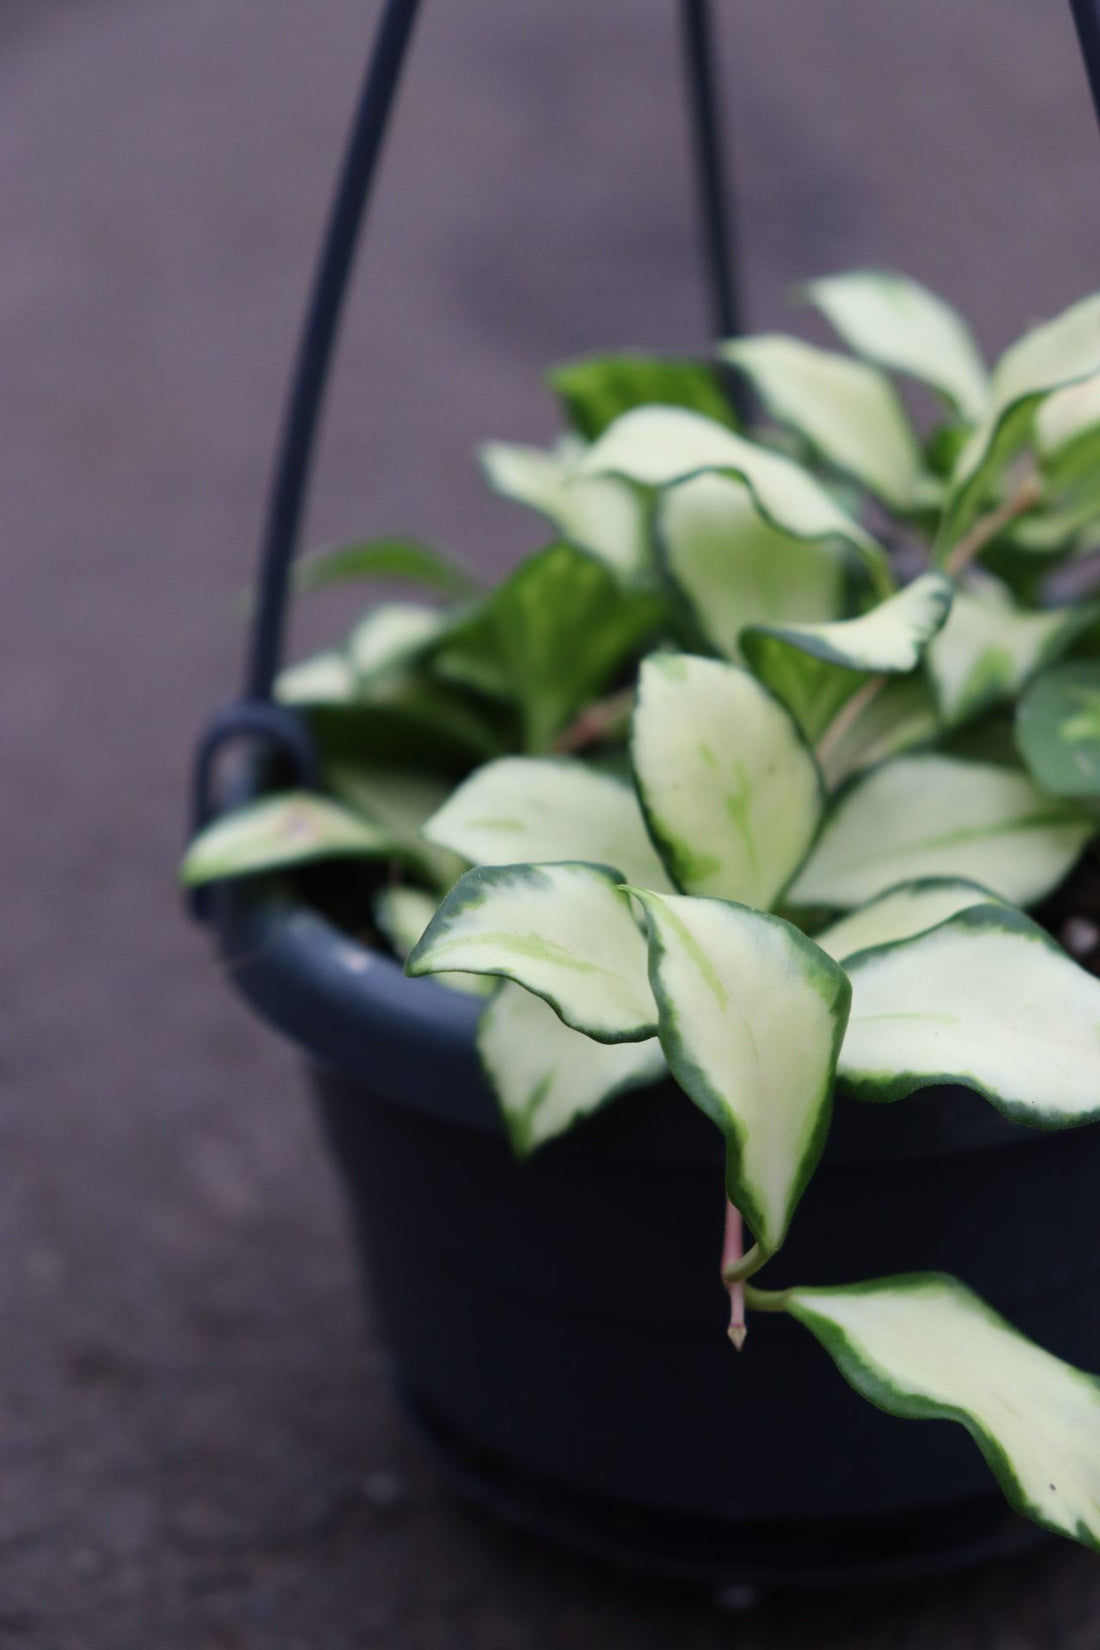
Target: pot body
557, 1327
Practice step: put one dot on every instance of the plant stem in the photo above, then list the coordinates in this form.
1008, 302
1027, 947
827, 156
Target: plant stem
733, 1254
766, 1300
846, 717
594, 722
1025, 497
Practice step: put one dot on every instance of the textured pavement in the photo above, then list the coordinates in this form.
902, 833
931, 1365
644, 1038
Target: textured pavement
196, 1451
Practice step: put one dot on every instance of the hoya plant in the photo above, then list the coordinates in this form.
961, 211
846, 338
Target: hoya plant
761, 775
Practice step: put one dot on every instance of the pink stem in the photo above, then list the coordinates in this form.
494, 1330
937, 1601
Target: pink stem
733, 1249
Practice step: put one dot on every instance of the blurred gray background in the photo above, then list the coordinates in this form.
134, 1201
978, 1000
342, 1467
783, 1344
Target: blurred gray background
196, 1449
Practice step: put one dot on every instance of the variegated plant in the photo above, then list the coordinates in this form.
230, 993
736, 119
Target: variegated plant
752, 776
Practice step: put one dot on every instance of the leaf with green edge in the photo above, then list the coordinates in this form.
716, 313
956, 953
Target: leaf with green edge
324, 679
900, 717
391, 637
597, 513
402, 914
989, 648
814, 669
565, 931
752, 1015
535, 809
929, 815
400, 560
897, 322
399, 801
292, 828
1058, 729
735, 570
566, 627
597, 389
908, 909
730, 790
1051, 356
986, 999
923, 1346
656, 446
547, 1077
848, 411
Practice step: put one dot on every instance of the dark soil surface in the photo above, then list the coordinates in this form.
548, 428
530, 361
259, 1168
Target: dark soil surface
197, 1451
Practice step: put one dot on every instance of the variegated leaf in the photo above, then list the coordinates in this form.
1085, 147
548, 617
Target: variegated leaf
986, 999
731, 791
736, 570
930, 815
325, 679
547, 1077
751, 1018
1060, 352
564, 931
399, 801
392, 635
901, 912
290, 829
900, 324
925, 1347
402, 914
848, 411
598, 513
814, 668
989, 648
656, 446
527, 809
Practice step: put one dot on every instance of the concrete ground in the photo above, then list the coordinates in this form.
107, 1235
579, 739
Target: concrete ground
196, 1451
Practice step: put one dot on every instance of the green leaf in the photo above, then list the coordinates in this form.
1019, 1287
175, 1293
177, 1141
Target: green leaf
392, 636
1058, 729
548, 1077
599, 388
404, 561
928, 816
290, 829
814, 668
731, 792
751, 1018
1060, 352
901, 325
848, 411
901, 912
565, 627
989, 648
656, 446
402, 914
399, 801
325, 679
986, 999
565, 932
598, 514
925, 1347
527, 809
736, 570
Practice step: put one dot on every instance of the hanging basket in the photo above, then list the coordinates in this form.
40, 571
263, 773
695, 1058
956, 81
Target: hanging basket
555, 1330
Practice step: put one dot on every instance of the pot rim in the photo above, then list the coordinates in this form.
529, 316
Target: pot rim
412, 1041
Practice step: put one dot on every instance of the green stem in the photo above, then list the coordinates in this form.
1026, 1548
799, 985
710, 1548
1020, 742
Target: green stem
766, 1300
1026, 496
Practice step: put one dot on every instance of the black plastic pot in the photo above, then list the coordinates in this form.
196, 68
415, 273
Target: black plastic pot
556, 1328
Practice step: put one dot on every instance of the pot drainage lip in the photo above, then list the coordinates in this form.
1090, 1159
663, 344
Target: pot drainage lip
714, 1552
